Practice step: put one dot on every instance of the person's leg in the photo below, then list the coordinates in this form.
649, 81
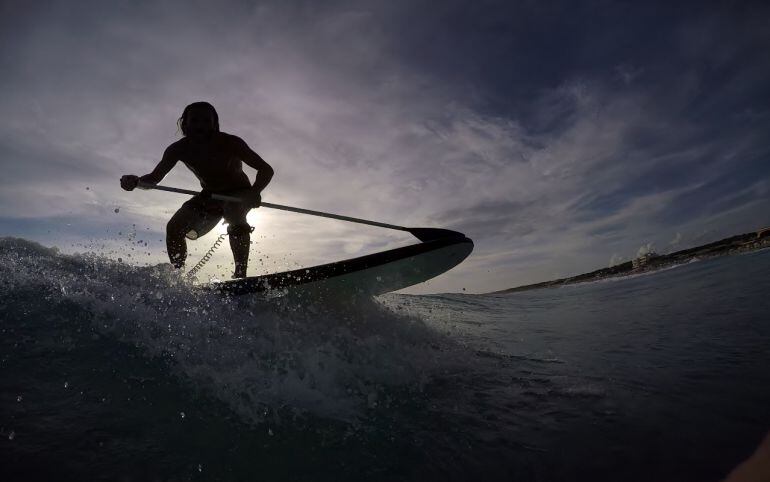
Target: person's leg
176, 229
240, 237
240, 241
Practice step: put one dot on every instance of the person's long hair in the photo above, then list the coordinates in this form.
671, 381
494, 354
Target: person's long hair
182, 121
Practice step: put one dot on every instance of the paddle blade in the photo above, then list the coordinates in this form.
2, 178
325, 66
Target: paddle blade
432, 234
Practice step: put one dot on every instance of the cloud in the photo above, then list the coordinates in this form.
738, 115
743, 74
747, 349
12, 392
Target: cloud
616, 259
677, 239
627, 73
645, 249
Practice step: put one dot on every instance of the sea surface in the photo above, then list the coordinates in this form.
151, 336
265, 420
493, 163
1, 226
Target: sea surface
113, 372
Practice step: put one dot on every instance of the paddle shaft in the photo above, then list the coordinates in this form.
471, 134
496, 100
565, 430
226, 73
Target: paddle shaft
222, 197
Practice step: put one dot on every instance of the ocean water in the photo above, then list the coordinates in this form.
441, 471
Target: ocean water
112, 372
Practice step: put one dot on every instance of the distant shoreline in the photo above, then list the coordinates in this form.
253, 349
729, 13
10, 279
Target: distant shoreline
740, 243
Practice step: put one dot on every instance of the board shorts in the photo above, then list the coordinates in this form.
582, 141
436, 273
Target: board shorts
205, 213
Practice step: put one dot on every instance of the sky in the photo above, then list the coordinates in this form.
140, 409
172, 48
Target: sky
562, 137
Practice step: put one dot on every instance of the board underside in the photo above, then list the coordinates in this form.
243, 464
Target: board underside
373, 274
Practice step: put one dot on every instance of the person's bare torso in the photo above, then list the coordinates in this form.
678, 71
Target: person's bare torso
216, 163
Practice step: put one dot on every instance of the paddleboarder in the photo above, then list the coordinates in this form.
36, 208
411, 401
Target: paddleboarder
216, 160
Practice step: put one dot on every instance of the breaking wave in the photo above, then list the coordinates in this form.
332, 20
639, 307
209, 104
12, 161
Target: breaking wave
258, 355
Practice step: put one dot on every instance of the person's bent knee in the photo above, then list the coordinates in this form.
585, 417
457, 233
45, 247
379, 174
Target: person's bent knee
175, 228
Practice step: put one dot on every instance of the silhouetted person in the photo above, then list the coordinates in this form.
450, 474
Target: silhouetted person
216, 160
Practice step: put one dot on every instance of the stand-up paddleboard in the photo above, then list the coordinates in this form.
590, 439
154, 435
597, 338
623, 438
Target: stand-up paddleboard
374, 274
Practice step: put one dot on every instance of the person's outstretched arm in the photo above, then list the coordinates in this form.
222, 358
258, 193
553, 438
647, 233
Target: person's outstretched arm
169, 160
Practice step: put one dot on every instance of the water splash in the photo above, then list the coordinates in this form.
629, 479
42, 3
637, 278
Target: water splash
260, 356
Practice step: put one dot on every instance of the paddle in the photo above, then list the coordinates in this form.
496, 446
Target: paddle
423, 234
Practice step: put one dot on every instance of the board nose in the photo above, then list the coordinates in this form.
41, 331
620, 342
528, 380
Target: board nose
432, 234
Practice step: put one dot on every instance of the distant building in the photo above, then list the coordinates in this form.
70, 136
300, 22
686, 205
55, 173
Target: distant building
643, 260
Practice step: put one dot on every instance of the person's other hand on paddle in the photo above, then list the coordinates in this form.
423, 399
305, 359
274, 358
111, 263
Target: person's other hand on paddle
129, 182
250, 197
756, 468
